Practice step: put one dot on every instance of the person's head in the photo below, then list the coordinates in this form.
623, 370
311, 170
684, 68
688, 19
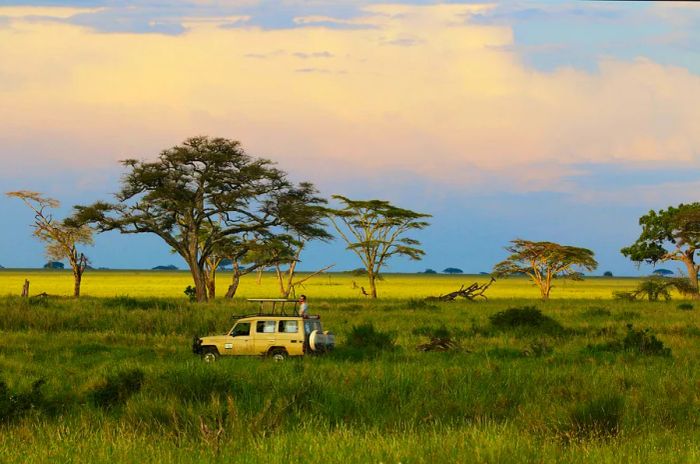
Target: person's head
302, 298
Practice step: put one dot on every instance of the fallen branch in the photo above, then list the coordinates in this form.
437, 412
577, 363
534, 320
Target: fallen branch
439, 344
471, 293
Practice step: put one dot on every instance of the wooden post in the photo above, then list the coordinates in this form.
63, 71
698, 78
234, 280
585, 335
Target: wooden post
25, 289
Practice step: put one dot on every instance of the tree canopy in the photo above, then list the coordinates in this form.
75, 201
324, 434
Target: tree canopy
374, 230
452, 270
202, 193
545, 261
672, 234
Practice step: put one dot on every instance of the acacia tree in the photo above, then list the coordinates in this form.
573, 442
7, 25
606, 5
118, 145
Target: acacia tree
374, 230
201, 193
245, 256
545, 261
61, 237
669, 235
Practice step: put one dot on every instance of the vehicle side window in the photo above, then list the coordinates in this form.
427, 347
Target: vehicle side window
242, 328
289, 327
310, 326
265, 327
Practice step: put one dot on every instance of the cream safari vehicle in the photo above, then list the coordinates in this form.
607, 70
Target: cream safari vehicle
275, 333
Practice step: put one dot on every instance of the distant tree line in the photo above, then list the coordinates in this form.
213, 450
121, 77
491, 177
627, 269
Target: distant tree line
215, 205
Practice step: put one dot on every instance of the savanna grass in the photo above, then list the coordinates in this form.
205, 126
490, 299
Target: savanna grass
118, 382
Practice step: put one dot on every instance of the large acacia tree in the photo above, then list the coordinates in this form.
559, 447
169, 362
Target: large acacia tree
375, 231
199, 195
545, 261
669, 235
61, 238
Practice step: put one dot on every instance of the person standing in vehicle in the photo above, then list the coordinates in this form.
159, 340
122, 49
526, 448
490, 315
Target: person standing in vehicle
303, 306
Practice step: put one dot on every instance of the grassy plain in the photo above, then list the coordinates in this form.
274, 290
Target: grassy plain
565, 392
171, 284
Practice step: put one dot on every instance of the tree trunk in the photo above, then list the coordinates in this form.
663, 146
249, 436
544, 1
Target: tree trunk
77, 278
372, 285
211, 283
200, 282
692, 275
234, 285
545, 293
211, 288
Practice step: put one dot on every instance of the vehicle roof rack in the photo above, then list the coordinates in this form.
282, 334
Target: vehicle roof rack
275, 307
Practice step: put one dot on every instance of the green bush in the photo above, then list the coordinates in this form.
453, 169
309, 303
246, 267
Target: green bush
644, 342
417, 303
365, 336
191, 293
635, 341
433, 332
528, 317
686, 306
117, 388
598, 418
597, 312
15, 405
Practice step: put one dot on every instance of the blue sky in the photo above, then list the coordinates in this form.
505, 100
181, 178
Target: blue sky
560, 121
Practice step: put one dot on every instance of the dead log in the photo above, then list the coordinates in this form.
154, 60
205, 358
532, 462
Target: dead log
470, 293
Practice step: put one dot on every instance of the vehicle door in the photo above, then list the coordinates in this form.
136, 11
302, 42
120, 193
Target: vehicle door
265, 335
240, 340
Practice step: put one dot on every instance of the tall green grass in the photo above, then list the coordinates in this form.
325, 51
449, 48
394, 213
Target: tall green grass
118, 383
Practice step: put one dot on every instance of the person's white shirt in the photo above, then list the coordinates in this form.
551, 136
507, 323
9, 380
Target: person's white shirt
303, 308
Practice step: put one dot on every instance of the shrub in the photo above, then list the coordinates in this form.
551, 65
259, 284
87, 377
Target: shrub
416, 303
635, 341
597, 312
130, 303
644, 342
598, 418
528, 316
191, 293
15, 405
686, 306
365, 336
656, 287
117, 388
433, 332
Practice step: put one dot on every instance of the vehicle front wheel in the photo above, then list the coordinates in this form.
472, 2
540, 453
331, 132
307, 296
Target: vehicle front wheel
278, 355
210, 355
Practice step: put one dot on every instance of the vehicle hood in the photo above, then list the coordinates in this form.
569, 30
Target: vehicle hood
214, 339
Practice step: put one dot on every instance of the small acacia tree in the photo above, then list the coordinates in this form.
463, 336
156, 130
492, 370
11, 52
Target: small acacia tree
545, 261
199, 194
61, 237
670, 235
374, 230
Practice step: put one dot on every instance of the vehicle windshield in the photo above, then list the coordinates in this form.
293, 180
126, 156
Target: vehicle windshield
241, 329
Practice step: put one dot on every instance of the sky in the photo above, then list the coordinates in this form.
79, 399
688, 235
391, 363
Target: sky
544, 120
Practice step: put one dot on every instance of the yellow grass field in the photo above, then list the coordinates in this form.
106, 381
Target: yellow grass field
331, 285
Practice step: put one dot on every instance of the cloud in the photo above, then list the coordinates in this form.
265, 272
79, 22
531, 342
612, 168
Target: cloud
458, 106
305, 55
58, 12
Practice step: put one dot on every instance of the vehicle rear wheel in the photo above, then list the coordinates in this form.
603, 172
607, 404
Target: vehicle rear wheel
278, 354
210, 355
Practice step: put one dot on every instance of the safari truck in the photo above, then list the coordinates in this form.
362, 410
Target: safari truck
272, 331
